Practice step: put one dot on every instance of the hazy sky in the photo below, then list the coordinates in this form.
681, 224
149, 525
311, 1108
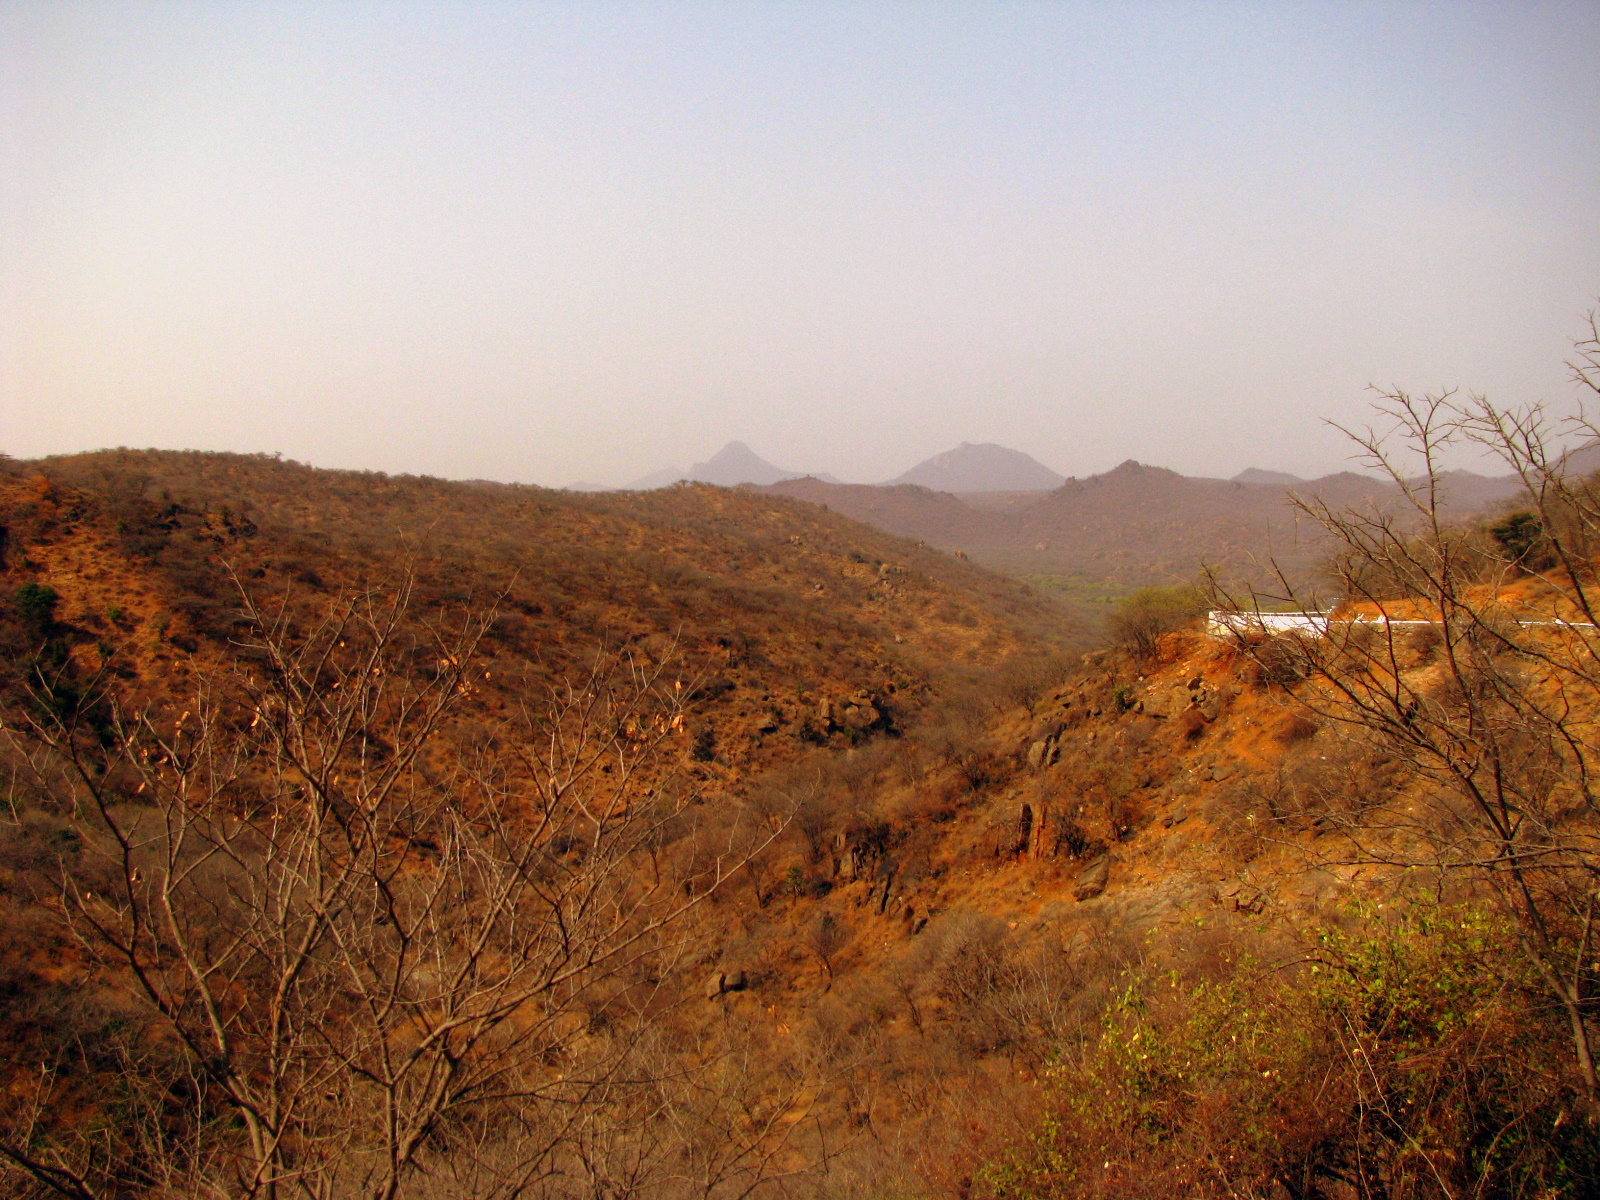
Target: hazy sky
546, 242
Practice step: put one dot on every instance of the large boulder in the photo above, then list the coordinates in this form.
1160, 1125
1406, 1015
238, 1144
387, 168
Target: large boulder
1044, 753
1093, 878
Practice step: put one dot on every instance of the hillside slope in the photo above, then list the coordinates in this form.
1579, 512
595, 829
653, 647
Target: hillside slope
784, 603
1146, 842
975, 860
140, 589
1132, 526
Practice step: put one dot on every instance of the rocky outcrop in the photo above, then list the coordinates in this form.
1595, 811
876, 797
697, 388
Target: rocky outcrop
723, 982
1044, 742
856, 716
860, 849
1092, 879
1241, 897
1173, 700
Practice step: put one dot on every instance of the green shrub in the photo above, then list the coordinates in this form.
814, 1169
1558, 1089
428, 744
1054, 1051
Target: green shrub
1521, 536
1141, 617
1407, 1059
36, 605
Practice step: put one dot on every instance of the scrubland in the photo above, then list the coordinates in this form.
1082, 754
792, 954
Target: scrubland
389, 837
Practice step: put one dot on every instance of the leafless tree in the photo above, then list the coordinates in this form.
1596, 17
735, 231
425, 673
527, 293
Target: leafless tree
1482, 681
825, 939
391, 943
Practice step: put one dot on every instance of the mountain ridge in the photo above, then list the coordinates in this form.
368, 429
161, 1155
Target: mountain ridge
1134, 525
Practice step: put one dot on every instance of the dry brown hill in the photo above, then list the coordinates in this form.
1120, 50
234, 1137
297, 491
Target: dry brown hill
785, 605
1133, 526
972, 893
135, 581
780, 605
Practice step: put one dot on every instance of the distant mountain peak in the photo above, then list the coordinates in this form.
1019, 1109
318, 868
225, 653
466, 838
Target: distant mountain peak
1132, 468
736, 463
1581, 460
1257, 475
982, 467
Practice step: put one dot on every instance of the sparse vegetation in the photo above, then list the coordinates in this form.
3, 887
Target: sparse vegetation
1492, 716
1143, 616
1403, 1058
376, 836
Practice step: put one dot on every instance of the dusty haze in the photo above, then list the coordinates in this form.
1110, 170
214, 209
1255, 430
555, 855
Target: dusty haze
551, 242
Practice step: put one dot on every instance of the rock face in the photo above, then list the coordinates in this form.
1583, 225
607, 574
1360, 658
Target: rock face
1093, 878
1044, 743
856, 715
1242, 897
725, 981
861, 851
1174, 700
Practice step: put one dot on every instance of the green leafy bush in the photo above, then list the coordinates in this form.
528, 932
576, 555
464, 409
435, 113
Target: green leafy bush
1141, 617
36, 605
1406, 1059
1521, 537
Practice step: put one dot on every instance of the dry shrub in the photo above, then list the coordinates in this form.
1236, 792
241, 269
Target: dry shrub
1124, 813
1240, 822
816, 795
1145, 617
1024, 681
1423, 642
1350, 777
921, 806
1139, 730
1294, 727
997, 992
1279, 661
1306, 792
911, 762
1071, 840
1405, 1059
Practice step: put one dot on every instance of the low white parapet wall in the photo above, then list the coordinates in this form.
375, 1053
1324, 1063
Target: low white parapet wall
1224, 622
1228, 623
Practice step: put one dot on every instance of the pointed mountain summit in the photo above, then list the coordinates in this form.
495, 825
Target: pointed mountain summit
985, 467
736, 463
